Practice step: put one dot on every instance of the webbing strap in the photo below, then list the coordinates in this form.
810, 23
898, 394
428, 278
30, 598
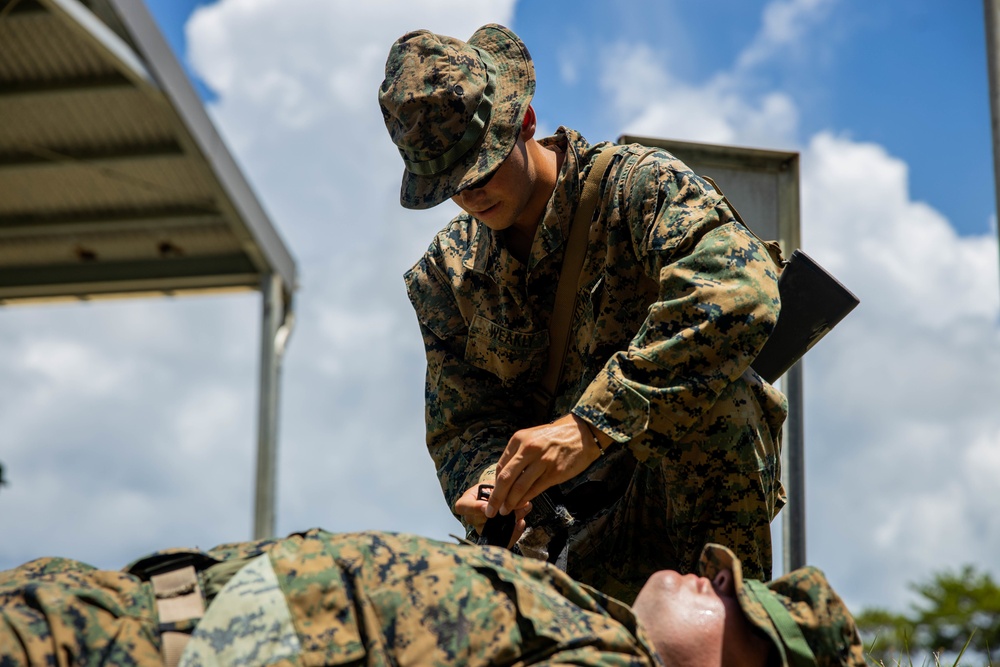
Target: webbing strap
796, 651
569, 277
178, 598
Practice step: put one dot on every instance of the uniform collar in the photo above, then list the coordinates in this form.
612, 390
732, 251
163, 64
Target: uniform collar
487, 255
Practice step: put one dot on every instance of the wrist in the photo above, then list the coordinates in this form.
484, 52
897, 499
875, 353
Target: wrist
601, 440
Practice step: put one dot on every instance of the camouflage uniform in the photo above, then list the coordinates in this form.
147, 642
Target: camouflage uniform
319, 598
55, 611
676, 300
325, 599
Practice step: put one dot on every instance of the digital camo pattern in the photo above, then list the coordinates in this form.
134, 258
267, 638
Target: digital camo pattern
386, 599
813, 605
353, 599
676, 299
434, 87
56, 611
319, 598
248, 623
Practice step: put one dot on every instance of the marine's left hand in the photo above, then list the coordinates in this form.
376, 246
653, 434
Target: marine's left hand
540, 457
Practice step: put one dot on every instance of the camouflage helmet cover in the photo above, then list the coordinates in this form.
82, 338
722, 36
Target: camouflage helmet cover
802, 597
454, 108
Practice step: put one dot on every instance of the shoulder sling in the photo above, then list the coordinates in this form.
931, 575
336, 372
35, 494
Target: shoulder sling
565, 304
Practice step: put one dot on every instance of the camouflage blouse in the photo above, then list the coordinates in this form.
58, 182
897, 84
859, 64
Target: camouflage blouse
676, 298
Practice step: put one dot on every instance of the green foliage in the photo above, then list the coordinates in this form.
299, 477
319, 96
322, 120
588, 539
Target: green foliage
886, 635
957, 614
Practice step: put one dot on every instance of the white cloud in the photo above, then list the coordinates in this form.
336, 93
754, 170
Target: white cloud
308, 71
786, 24
652, 101
77, 367
128, 425
900, 398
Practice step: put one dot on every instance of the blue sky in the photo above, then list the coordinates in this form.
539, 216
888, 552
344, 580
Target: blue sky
886, 103
910, 76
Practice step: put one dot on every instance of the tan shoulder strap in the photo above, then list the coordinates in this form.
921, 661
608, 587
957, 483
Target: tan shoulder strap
569, 277
178, 602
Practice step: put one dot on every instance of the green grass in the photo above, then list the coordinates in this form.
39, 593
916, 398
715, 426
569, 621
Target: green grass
904, 659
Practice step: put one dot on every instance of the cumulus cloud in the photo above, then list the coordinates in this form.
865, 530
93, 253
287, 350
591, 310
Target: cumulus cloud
786, 24
127, 425
653, 101
900, 399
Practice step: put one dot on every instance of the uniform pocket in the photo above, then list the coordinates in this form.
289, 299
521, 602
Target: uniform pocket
513, 356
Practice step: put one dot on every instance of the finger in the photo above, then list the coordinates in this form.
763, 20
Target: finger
517, 496
513, 446
522, 512
501, 486
475, 519
519, 527
537, 488
471, 510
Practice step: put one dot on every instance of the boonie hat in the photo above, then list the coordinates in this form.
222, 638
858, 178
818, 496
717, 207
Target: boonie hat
803, 616
454, 109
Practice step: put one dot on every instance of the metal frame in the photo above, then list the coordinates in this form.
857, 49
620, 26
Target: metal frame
269, 252
137, 57
991, 9
779, 172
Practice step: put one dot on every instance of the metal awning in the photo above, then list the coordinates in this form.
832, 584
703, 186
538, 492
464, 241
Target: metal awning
113, 181
112, 178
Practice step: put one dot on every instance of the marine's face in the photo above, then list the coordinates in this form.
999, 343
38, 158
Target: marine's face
501, 200
696, 622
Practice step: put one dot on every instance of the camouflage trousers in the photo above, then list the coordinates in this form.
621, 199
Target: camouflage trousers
726, 490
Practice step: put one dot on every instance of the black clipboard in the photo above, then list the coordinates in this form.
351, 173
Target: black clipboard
812, 303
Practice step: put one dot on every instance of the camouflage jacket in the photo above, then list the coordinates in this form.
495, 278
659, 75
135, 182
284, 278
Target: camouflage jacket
676, 299
320, 598
388, 599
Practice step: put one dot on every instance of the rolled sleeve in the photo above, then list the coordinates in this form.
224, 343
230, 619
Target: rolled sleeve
718, 303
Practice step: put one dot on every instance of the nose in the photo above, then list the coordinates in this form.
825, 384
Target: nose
468, 198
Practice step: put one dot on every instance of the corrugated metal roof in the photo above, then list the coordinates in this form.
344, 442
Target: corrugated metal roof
112, 178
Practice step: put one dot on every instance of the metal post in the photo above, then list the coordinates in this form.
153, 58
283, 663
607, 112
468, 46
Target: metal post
793, 521
992, 11
275, 329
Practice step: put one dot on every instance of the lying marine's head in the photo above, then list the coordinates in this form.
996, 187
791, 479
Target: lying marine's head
721, 619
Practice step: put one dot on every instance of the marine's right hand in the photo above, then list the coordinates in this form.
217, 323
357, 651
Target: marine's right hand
473, 512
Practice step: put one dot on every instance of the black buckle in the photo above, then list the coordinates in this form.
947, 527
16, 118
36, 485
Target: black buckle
498, 530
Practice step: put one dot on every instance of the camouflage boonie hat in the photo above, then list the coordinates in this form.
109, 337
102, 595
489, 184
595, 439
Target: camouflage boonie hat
454, 108
801, 614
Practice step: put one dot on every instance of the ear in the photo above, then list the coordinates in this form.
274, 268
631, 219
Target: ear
528, 124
